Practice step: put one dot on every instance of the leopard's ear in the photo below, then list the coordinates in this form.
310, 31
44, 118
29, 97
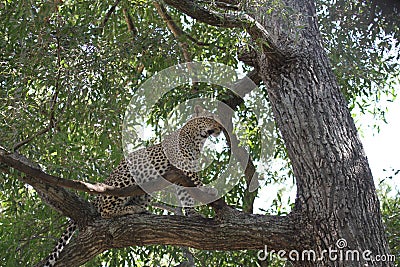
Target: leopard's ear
198, 110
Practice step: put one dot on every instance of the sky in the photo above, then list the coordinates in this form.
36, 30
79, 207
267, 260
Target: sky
382, 149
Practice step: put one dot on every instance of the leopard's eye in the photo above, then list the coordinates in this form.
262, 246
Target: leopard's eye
210, 132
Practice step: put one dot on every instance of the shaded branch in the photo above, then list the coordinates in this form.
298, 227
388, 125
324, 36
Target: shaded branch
162, 11
109, 13
66, 202
51, 188
226, 20
224, 4
270, 46
244, 231
206, 16
176, 31
22, 164
240, 89
233, 230
32, 137
233, 100
133, 31
37, 176
129, 22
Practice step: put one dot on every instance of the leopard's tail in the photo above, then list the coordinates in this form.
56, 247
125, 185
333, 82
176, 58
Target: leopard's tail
62, 242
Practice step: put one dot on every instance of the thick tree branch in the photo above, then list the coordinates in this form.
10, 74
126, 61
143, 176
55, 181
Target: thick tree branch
233, 100
22, 164
178, 32
36, 177
66, 202
206, 16
226, 20
234, 230
243, 231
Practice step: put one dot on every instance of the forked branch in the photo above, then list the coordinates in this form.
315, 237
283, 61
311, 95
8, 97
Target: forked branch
232, 20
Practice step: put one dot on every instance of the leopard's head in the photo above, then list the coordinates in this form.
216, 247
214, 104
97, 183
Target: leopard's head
208, 124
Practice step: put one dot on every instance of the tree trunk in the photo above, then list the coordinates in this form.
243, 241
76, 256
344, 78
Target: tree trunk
335, 188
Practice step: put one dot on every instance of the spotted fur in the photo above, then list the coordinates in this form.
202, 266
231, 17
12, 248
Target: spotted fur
62, 242
180, 149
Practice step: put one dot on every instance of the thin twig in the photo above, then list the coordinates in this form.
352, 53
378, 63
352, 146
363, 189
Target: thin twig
109, 13
29, 139
129, 22
53, 101
176, 31
199, 43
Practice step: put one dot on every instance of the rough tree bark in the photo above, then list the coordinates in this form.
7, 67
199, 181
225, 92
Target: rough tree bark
336, 197
335, 189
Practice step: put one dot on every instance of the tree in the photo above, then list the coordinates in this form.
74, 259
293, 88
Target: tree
61, 62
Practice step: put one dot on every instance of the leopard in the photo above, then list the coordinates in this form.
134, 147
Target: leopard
181, 150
